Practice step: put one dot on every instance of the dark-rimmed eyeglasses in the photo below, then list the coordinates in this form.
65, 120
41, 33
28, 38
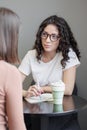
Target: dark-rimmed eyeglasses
53, 37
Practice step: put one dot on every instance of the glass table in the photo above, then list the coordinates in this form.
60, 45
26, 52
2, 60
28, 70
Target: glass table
43, 115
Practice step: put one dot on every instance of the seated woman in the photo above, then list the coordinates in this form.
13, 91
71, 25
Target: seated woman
55, 57
11, 107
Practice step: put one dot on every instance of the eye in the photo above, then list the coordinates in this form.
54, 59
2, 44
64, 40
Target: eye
54, 36
44, 34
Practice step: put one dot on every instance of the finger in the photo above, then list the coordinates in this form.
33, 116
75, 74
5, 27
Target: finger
36, 90
30, 93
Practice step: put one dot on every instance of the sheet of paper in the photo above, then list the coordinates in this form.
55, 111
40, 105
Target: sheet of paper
41, 98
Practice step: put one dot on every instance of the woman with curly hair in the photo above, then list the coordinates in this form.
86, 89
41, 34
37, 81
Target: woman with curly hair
55, 57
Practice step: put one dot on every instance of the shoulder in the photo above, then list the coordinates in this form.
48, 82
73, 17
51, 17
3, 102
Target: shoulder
10, 78
71, 53
30, 56
8, 74
32, 52
73, 59
7, 68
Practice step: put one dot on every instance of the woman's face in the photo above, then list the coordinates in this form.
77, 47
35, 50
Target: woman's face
50, 38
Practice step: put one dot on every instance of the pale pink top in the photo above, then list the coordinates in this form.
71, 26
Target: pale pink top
10, 98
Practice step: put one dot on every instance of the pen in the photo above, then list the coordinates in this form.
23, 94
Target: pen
37, 84
38, 87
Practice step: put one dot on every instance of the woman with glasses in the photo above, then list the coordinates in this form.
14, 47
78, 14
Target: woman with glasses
55, 57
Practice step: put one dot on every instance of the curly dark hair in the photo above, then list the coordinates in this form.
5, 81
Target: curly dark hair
66, 42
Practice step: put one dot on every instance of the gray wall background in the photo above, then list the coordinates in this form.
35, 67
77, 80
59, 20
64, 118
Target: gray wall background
32, 13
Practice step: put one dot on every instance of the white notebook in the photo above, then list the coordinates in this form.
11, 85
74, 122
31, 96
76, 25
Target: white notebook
41, 98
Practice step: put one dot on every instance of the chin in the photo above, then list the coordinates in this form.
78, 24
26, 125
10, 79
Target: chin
47, 50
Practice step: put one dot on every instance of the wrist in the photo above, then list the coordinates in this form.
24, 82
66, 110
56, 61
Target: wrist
24, 93
47, 89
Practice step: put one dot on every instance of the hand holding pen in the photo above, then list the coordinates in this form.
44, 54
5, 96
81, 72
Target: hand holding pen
34, 90
39, 90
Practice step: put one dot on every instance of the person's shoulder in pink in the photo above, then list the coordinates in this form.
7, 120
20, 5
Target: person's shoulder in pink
10, 97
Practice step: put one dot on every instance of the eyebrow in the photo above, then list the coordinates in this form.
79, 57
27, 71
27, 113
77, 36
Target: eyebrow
51, 33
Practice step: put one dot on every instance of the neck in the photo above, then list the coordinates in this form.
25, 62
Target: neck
48, 56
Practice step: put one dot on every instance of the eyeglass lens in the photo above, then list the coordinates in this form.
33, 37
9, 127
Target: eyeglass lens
53, 37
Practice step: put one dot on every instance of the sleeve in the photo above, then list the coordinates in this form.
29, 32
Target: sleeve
73, 61
25, 65
14, 104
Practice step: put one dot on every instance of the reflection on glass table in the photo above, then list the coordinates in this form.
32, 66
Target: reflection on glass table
46, 115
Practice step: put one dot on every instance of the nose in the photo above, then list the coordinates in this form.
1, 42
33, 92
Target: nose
48, 39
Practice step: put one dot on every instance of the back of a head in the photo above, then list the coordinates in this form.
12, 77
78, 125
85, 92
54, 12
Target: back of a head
9, 29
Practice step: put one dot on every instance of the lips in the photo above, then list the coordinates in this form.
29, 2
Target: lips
47, 46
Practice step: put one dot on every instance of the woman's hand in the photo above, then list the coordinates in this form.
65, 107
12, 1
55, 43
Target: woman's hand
33, 90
